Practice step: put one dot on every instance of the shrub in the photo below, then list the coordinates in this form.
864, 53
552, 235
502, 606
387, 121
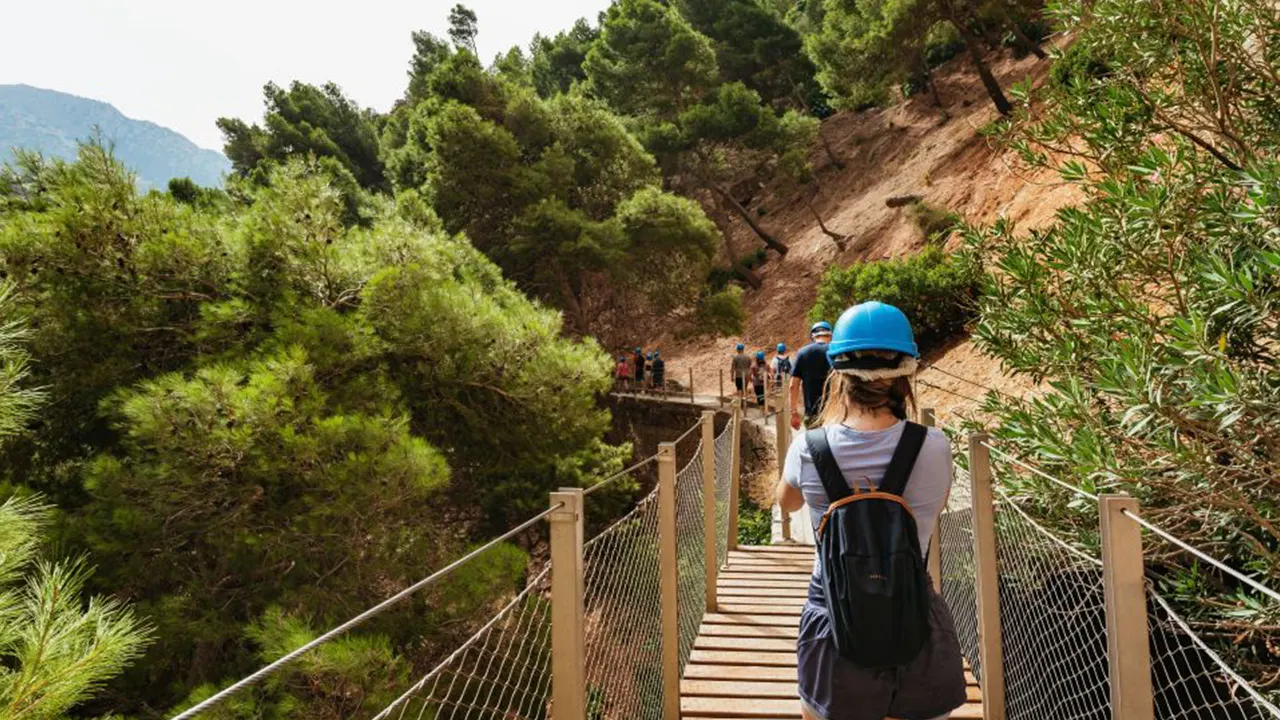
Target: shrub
933, 288
755, 524
720, 313
935, 223
1080, 63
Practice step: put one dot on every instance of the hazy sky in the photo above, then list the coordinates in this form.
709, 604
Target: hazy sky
183, 64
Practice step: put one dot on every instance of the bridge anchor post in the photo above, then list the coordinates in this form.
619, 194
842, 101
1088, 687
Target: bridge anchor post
568, 644
711, 554
928, 418
782, 443
1125, 590
990, 635
735, 473
669, 581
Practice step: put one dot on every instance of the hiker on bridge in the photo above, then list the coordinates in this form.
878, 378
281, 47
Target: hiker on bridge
658, 369
809, 377
622, 373
637, 368
875, 640
780, 367
740, 368
759, 374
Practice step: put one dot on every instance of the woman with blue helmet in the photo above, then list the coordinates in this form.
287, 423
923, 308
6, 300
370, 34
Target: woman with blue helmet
780, 367
873, 356
758, 374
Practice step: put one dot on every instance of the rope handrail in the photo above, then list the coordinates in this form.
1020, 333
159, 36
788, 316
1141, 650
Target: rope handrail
963, 379
1060, 483
289, 657
1169, 537
939, 388
620, 473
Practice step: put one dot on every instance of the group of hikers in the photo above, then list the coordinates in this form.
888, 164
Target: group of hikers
806, 376
640, 370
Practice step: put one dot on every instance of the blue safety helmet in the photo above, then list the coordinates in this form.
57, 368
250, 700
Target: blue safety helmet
649, 356
782, 347
871, 326
639, 350
741, 347
622, 358
820, 327
760, 355
656, 354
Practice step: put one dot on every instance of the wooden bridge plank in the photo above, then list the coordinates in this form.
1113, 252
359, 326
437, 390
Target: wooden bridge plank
715, 642
782, 631
735, 606
739, 688
738, 707
749, 619
739, 657
806, 550
740, 672
791, 594
800, 583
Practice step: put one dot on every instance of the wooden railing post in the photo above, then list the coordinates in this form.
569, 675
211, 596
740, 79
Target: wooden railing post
735, 474
669, 580
721, 387
929, 419
692, 398
990, 638
1128, 642
782, 442
568, 651
711, 554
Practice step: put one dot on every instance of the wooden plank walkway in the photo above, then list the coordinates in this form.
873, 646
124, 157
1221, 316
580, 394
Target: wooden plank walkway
743, 664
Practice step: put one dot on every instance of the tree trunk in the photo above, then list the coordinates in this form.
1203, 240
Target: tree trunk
768, 239
826, 146
750, 276
837, 237
1024, 42
933, 90
975, 54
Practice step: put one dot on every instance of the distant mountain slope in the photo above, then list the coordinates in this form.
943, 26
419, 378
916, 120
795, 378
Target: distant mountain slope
51, 122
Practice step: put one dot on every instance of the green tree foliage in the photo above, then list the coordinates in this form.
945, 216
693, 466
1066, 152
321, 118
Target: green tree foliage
463, 28
565, 200
57, 649
259, 408
755, 47
1150, 311
307, 120
649, 62
558, 61
864, 47
18, 400
428, 52
934, 289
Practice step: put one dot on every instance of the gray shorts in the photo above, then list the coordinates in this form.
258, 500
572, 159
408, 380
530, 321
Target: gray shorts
833, 688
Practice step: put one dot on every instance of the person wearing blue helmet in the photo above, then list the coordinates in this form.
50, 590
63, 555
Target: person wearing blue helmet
809, 376
740, 369
780, 367
658, 370
622, 372
873, 356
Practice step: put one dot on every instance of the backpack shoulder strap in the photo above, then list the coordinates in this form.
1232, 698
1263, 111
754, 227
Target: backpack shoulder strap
828, 472
904, 459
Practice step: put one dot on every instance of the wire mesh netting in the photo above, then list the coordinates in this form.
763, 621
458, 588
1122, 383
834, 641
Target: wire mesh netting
690, 553
1191, 681
724, 479
1053, 618
623, 623
955, 545
503, 671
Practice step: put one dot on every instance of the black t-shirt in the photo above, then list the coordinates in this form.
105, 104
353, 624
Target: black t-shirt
812, 367
639, 363
658, 367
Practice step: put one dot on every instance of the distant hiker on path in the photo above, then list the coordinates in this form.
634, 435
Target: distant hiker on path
622, 372
759, 373
809, 376
780, 366
739, 368
638, 368
659, 371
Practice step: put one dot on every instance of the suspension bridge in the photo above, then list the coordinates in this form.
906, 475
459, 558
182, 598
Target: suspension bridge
664, 615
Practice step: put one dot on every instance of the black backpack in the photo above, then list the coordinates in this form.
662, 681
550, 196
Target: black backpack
873, 572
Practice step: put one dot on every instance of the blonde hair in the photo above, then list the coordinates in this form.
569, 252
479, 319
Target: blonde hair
845, 394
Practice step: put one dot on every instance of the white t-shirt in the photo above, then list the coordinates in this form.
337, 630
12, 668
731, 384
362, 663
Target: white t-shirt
864, 455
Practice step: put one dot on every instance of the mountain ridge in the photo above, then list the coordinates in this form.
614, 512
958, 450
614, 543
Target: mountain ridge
54, 122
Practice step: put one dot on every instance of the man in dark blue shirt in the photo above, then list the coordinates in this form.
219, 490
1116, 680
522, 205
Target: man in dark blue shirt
809, 376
